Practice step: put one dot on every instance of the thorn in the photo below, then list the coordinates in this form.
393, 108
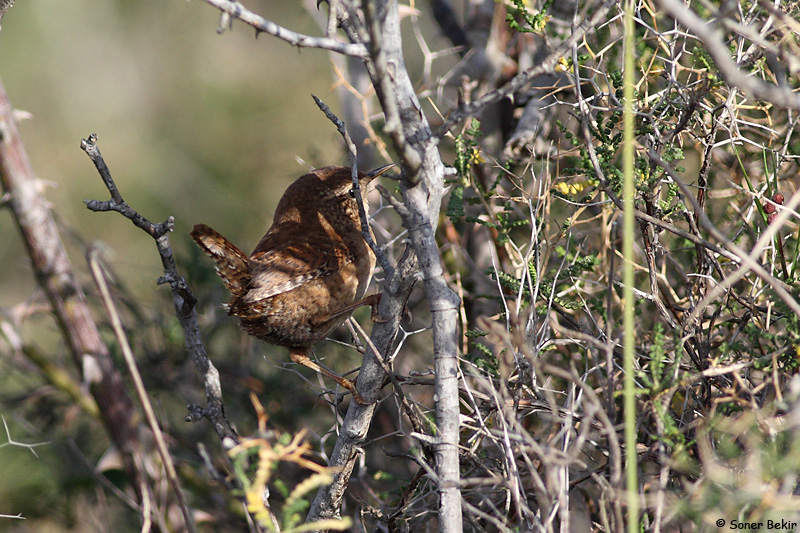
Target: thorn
20, 115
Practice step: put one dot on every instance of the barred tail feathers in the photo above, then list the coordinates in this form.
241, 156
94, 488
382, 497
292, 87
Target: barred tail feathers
230, 262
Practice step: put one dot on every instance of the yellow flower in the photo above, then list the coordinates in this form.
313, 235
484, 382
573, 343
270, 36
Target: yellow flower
475, 157
572, 188
654, 72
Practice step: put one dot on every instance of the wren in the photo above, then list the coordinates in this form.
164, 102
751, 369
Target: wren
308, 273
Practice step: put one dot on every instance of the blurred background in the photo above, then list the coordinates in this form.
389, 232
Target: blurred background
203, 127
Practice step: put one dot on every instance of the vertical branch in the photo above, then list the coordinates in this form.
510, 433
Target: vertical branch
384, 40
422, 191
422, 166
55, 275
444, 305
347, 449
628, 196
353, 161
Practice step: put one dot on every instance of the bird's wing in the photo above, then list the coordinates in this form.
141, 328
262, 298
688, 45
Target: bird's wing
287, 265
230, 262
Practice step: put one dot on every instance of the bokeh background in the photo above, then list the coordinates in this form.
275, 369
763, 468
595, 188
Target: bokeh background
204, 127
201, 126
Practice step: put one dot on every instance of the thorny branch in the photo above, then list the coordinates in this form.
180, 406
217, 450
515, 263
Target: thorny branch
422, 188
362, 212
237, 10
387, 94
706, 32
748, 261
737, 255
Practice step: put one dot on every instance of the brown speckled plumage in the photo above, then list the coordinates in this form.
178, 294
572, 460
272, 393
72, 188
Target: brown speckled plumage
308, 272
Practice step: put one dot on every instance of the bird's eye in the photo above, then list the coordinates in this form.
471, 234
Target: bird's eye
352, 193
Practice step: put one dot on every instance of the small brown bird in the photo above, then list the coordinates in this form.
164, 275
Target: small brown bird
310, 270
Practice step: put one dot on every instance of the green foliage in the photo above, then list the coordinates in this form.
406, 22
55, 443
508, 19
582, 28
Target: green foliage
255, 462
466, 155
704, 60
455, 206
657, 354
483, 358
535, 22
545, 288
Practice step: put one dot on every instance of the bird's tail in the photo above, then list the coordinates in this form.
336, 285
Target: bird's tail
230, 262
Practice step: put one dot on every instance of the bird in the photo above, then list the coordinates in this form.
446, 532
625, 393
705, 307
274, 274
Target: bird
309, 271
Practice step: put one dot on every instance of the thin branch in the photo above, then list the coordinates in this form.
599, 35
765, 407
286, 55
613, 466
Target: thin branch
396, 290
747, 261
641, 215
362, 212
394, 127
398, 388
182, 298
116, 203
96, 474
12, 442
130, 361
371, 377
238, 11
422, 189
444, 305
706, 32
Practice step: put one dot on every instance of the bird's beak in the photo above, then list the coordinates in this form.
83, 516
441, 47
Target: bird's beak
380, 170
